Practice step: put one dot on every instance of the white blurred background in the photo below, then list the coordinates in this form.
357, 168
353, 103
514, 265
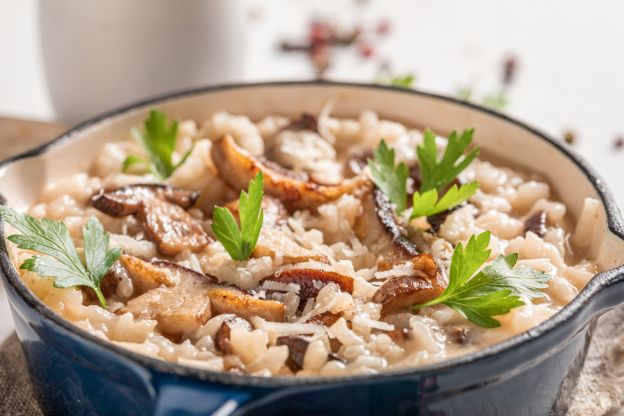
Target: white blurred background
569, 56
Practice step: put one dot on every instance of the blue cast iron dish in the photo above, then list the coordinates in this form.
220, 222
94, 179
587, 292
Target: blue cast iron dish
533, 373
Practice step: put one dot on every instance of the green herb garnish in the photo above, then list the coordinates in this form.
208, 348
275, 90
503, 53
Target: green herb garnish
427, 204
436, 174
239, 242
159, 140
493, 291
61, 261
402, 81
391, 179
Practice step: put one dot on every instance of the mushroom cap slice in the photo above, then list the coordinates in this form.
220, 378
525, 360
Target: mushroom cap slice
378, 229
145, 275
175, 310
127, 199
400, 292
237, 167
228, 300
311, 281
161, 211
171, 227
222, 337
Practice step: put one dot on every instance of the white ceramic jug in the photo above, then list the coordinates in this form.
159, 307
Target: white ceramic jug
101, 54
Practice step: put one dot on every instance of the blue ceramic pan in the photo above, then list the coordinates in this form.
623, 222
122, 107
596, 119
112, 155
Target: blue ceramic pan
530, 374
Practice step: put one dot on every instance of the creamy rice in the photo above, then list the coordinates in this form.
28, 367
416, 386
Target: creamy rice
360, 340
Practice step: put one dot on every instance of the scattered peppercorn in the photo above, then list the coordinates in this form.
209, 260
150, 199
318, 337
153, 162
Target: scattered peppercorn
365, 49
323, 37
383, 27
510, 66
619, 141
569, 136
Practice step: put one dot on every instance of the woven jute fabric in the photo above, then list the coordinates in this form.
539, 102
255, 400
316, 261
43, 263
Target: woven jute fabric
600, 390
16, 395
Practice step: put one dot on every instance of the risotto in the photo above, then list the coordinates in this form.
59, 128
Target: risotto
342, 279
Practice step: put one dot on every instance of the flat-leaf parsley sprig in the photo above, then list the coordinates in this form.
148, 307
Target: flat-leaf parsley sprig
391, 179
61, 261
436, 174
432, 197
159, 140
495, 290
240, 242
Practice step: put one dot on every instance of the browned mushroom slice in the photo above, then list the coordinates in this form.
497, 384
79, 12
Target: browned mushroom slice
401, 292
145, 275
226, 300
172, 228
176, 310
311, 281
238, 167
222, 337
325, 318
307, 122
161, 211
127, 200
536, 224
378, 229
297, 347
357, 161
182, 307
180, 303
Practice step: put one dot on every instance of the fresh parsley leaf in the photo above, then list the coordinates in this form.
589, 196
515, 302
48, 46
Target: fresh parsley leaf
427, 203
495, 290
391, 179
436, 174
240, 242
403, 81
61, 261
159, 140
135, 164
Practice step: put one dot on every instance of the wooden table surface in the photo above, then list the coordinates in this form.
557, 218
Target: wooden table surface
17, 135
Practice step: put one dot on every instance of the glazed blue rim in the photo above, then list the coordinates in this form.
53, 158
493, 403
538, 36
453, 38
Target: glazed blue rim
597, 283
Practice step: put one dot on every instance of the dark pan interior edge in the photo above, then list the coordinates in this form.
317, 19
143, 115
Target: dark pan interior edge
614, 219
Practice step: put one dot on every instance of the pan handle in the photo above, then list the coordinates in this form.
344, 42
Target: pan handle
605, 291
180, 397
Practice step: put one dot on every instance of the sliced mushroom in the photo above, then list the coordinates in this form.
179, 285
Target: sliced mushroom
307, 122
127, 200
378, 229
536, 224
145, 275
185, 306
400, 292
297, 347
238, 167
193, 299
325, 318
357, 161
436, 221
311, 281
274, 241
222, 337
227, 300
161, 211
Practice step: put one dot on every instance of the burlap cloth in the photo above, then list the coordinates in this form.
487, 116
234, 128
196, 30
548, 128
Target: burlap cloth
600, 390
